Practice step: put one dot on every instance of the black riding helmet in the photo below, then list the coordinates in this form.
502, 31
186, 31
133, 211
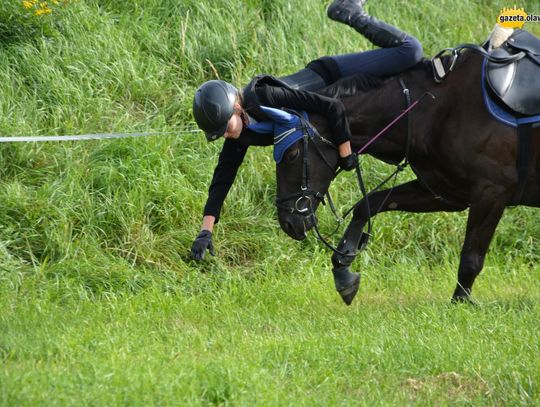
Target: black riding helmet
213, 106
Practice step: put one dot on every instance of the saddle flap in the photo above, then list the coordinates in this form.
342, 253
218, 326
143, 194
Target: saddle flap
513, 82
525, 41
500, 75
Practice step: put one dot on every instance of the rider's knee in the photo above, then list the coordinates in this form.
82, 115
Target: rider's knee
413, 50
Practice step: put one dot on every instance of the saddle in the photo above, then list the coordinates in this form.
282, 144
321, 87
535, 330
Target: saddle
512, 72
511, 75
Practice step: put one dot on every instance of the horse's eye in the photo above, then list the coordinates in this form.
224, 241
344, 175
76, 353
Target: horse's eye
292, 154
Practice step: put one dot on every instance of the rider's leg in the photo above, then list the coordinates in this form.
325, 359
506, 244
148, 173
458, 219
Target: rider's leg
381, 62
352, 13
399, 50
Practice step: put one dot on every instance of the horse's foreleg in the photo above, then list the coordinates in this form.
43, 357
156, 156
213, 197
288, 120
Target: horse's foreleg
409, 197
484, 216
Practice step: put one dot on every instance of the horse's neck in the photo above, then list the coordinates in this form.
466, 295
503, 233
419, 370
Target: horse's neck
371, 111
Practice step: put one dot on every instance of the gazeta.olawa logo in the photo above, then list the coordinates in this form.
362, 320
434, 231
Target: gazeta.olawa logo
515, 17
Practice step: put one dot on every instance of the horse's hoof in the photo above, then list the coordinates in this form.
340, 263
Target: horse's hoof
348, 294
462, 299
347, 283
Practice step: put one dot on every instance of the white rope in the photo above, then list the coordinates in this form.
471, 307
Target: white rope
81, 137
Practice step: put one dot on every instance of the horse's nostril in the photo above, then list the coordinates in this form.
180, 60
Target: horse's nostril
287, 227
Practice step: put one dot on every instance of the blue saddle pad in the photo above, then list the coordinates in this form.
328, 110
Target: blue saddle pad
501, 114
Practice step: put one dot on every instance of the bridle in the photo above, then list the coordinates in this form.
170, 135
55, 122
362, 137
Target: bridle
308, 195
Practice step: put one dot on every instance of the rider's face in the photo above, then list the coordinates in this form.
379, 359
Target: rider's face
235, 125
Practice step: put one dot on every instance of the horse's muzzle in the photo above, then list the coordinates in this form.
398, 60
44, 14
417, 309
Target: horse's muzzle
296, 226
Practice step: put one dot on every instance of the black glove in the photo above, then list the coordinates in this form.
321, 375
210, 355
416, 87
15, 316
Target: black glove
348, 163
201, 243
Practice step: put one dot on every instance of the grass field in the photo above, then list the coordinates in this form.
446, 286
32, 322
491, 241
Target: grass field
100, 304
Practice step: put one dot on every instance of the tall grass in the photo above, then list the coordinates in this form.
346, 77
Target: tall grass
100, 302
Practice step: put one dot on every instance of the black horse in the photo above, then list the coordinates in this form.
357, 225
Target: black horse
462, 158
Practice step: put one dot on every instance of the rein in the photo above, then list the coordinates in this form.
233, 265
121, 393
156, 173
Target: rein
307, 194
399, 167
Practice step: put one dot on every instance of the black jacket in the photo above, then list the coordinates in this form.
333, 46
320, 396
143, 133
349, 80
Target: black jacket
268, 91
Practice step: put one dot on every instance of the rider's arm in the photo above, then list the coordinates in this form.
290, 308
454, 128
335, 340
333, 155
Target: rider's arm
230, 159
330, 108
208, 222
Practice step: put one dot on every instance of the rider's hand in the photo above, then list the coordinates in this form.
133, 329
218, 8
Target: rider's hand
201, 243
349, 162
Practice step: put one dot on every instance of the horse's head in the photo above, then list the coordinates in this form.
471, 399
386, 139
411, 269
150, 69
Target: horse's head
303, 177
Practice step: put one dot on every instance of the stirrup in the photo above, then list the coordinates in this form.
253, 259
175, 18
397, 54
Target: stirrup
439, 71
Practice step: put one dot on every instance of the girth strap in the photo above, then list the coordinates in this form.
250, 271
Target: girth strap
524, 132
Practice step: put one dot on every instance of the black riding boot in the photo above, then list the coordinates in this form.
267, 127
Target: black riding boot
305, 79
352, 13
